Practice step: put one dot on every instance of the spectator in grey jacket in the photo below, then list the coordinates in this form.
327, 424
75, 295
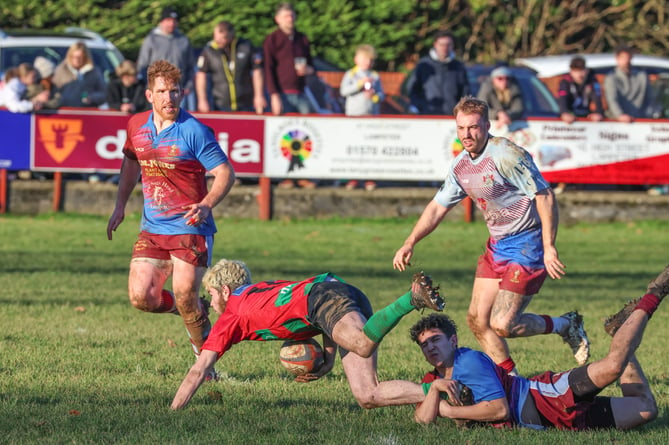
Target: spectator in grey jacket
629, 94
439, 81
166, 42
361, 86
503, 95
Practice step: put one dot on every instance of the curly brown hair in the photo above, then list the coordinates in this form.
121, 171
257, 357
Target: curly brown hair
434, 321
164, 69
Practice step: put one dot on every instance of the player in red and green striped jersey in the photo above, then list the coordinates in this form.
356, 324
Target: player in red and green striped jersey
297, 310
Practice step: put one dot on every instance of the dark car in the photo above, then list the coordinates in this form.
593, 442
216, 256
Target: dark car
537, 98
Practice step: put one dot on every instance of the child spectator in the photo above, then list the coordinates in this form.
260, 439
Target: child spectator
45, 68
361, 87
13, 94
126, 92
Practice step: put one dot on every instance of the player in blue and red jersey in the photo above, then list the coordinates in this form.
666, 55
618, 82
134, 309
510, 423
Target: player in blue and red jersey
297, 310
565, 400
172, 152
521, 213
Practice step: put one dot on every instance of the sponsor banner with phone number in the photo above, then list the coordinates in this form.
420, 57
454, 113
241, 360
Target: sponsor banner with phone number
389, 148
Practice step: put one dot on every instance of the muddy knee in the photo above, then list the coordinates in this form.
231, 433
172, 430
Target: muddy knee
501, 328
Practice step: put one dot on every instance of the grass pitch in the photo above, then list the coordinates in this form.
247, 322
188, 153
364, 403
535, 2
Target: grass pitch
79, 365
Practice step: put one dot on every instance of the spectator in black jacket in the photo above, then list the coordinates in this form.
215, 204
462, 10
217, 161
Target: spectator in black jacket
579, 94
126, 92
439, 80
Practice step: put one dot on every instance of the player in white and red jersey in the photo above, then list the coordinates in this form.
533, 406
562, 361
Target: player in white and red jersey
172, 151
520, 210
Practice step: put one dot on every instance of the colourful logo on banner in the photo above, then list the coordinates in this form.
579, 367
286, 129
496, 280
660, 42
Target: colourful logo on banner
296, 146
456, 147
60, 136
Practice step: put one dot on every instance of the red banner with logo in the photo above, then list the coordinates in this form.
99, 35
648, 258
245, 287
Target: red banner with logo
80, 141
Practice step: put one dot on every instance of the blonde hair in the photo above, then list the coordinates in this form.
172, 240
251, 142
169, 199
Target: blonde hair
79, 46
127, 67
367, 50
19, 71
471, 105
231, 273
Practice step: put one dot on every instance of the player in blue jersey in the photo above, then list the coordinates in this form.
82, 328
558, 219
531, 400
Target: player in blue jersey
521, 213
172, 152
564, 400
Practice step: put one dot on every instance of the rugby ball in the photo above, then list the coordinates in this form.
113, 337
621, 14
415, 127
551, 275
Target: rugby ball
301, 356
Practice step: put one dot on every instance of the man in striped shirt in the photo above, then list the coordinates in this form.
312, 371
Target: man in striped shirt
521, 213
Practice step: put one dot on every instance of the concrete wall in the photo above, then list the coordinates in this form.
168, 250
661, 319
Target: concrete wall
34, 197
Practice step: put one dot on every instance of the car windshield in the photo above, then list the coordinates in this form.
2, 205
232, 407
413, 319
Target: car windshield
104, 59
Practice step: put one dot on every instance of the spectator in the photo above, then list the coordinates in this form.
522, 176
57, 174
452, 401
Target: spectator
287, 59
166, 42
579, 93
628, 92
503, 95
45, 68
235, 67
439, 80
13, 93
78, 80
361, 87
126, 92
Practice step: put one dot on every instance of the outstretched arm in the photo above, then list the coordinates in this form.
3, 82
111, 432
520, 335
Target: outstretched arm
194, 378
431, 217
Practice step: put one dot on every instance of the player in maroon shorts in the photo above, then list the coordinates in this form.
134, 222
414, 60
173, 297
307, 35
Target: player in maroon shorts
566, 400
172, 151
324, 304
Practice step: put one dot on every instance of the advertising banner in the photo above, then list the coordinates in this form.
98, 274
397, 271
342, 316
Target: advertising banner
15, 135
597, 152
402, 148
358, 148
80, 141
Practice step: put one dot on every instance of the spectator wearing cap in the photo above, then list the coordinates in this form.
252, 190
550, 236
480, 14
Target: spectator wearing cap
45, 69
627, 89
166, 42
503, 95
579, 93
439, 80
126, 92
